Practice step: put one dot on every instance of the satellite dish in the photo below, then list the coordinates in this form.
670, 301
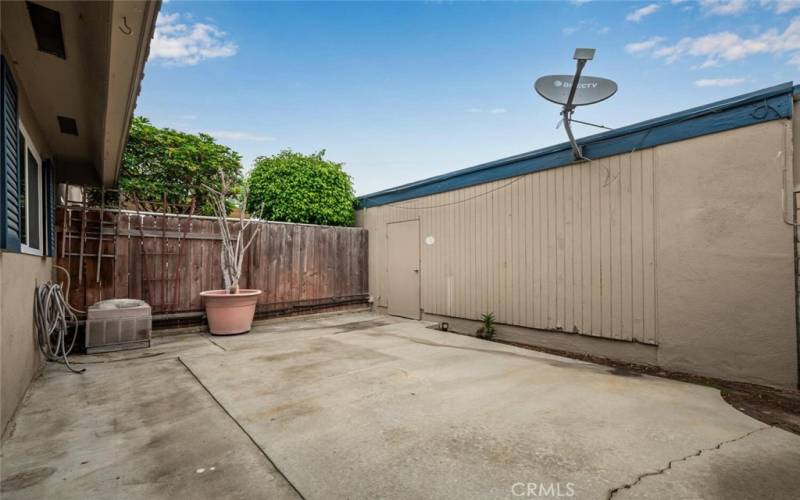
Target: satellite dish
588, 90
591, 89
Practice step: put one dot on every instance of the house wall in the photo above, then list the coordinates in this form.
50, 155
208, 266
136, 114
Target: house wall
20, 359
682, 247
97, 85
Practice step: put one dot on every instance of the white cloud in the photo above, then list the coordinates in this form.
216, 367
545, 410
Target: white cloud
784, 6
586, 26
728, 46
719, 82
781, 6
579, 2
639, 14
497, 111
673, 52
724, 7
233, 135
180, 44
708, 63
644, 45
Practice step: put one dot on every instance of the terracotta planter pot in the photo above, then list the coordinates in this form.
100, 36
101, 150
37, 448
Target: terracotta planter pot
230, 314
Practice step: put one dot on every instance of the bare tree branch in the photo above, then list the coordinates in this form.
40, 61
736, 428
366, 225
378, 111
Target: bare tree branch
233, 246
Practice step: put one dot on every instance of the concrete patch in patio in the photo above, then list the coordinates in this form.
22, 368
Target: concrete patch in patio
135, 429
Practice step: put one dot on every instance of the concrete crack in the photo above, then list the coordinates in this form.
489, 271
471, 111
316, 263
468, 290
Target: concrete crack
669, 465
208, 337
241, 427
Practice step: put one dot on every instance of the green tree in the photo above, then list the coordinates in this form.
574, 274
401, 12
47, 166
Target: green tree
159, 161
293, 187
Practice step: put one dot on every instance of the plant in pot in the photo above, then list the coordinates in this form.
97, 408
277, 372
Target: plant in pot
230, 311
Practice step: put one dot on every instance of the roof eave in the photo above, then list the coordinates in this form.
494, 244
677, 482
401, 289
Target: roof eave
694, 122
132, 28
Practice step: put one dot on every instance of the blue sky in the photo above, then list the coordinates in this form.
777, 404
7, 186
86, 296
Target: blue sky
404, 91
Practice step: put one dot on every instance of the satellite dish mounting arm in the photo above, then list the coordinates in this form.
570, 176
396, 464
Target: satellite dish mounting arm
582, 56
559, 90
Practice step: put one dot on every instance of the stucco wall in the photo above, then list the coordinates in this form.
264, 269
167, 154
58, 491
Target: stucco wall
725, 268
19, 275
682, 246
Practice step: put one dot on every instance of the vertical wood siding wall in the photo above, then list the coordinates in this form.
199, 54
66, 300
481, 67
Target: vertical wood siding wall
296, 265
569, 249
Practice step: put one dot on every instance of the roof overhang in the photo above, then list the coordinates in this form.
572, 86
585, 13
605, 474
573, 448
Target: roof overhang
96, 83
764, 105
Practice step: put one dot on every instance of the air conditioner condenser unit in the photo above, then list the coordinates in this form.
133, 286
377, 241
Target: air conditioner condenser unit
117, 324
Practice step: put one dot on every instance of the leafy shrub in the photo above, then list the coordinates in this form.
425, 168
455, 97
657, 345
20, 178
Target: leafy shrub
293, 187
159, 161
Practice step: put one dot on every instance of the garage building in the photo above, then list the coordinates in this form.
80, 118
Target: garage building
674, 246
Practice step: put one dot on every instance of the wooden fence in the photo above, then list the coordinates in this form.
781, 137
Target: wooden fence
167, 260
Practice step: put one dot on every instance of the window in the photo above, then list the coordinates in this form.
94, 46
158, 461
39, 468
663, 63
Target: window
31, 195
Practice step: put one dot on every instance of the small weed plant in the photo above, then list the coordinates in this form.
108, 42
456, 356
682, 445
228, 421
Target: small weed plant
487, 330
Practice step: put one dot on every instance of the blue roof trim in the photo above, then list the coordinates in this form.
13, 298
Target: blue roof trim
765, 105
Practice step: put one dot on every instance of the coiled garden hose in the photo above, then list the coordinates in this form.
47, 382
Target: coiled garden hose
53, 316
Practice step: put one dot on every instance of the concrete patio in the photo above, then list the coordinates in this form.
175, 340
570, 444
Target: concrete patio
362, 405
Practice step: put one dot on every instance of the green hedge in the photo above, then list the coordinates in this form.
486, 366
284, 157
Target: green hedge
294, 187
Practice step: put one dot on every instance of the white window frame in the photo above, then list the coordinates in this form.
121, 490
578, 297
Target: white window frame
30, 146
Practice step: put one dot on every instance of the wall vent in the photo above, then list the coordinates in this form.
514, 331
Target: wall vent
47, 29
68, 125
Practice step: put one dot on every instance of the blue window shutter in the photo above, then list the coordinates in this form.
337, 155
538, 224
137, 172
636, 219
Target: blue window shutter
49, 190
9, 161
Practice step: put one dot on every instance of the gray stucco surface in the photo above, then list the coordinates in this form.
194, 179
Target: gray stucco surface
20, 359
368, 406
